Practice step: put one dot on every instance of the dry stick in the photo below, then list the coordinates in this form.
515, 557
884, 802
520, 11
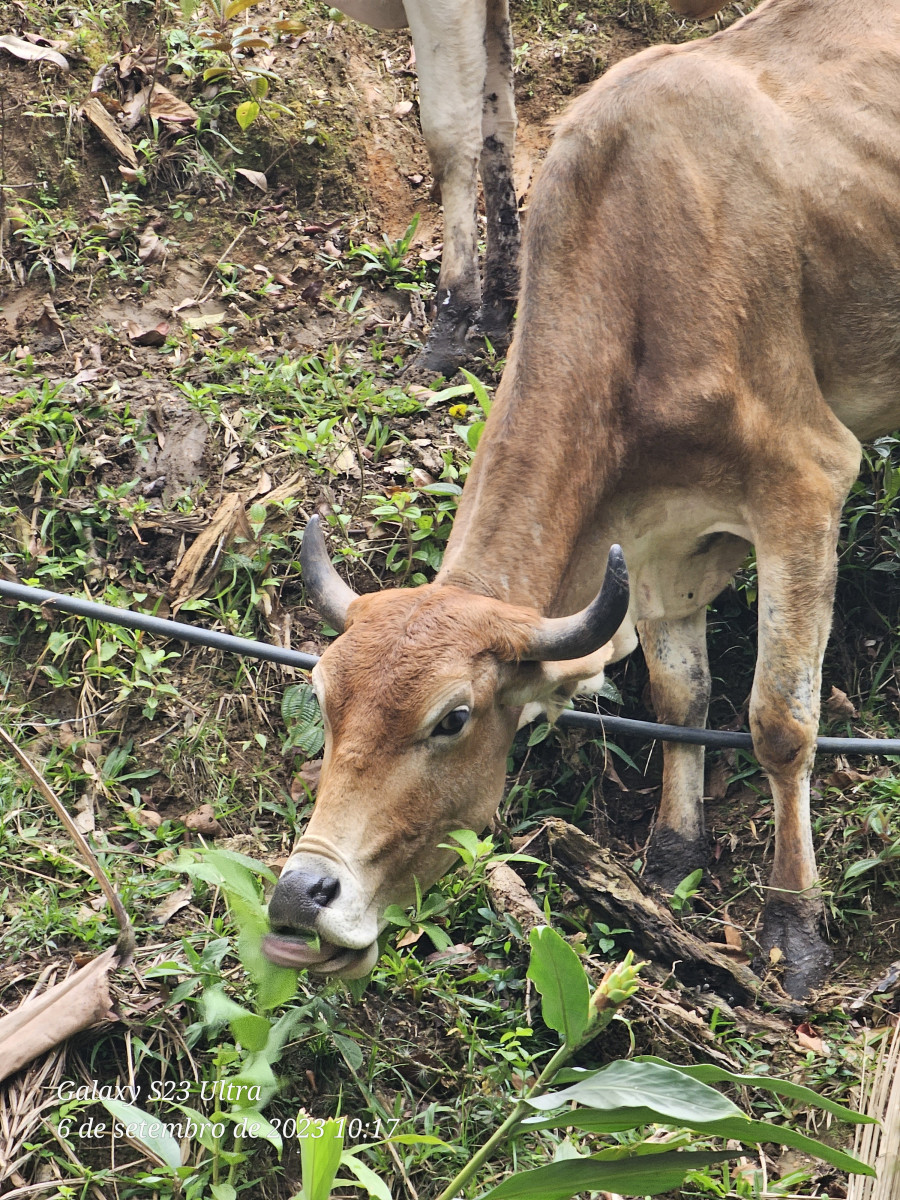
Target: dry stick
126, 943
200, 298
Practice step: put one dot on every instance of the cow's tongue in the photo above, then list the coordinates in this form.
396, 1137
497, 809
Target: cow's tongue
294, 951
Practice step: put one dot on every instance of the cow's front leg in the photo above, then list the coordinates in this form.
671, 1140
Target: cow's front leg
679, 680
797, 564
449, 39
501, 261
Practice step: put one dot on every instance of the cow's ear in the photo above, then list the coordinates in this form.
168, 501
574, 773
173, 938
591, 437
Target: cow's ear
548, 687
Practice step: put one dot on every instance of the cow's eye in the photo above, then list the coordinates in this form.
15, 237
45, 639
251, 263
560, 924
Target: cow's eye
452, 723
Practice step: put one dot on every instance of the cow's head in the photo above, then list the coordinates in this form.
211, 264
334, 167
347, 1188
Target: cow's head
421, 697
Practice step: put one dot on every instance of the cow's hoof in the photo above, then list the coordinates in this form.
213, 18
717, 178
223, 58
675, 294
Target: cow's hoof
439, 357
671, 857
495, 322
792, 944
447, 347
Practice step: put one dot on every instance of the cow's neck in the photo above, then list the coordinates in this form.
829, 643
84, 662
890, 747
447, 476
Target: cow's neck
522, 532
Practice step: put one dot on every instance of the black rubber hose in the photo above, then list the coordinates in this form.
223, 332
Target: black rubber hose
157, 625
624, 726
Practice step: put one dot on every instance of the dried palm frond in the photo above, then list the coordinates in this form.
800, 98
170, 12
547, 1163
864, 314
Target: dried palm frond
879, 1145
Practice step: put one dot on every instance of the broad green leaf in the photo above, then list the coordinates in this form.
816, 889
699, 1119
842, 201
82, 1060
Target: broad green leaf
615, 1120
407, 1139
237, 6
860, 868
238, 878
282, 1030
251, 1031
365, 1177
249, 1122
469, 841
349, 1050
707, 1073
669, 1095
782, 1135
303, 717
243, 860
223, 1191
479, 391
557, 973
439, 937
442, 489
320, 1158
246, 114
741, 1129
219, 1008
147, 1131
202, 1130
197, 870
473, 434
274, 985
255, 1073
643, 1176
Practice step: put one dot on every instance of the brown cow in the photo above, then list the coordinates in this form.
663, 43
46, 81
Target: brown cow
709, 320
464, 60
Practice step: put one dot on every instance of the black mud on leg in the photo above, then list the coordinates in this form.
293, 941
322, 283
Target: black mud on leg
671, 856
446, 347
501, 270
794, 929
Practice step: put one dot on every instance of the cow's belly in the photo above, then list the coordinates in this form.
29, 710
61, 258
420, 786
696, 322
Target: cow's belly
681, 550
869, 408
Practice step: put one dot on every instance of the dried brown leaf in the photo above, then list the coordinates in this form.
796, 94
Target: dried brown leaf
172, 904
38, 1025
165, 106
146, 335
151, 247
257, 178
200, 560
839, 707
31, 53
810, 1040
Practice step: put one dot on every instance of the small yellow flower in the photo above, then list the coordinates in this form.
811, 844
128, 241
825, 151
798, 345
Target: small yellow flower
459, 410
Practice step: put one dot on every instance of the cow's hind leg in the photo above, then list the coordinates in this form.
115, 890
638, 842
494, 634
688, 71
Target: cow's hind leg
679, 680
796, 537
501, 262
451, 58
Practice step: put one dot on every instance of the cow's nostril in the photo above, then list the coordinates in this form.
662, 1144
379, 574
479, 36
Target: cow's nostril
324, 891
299, 898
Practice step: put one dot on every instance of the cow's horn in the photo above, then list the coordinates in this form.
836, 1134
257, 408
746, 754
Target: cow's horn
328, 593
558, 638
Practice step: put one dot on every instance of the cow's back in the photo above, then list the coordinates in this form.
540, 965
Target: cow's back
719, 205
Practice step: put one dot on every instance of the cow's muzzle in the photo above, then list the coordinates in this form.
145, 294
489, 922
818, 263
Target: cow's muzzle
308, 903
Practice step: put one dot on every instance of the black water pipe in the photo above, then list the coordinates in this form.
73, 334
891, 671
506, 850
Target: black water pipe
598, 722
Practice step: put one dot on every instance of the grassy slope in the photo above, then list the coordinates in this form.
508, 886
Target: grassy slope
289, 393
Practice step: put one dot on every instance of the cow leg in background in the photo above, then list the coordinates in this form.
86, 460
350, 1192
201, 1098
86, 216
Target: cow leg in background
501, 261
796, 540
680, 684
451, 59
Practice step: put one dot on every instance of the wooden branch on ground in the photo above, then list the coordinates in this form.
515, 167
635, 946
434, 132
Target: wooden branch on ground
621, 900
508, 893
